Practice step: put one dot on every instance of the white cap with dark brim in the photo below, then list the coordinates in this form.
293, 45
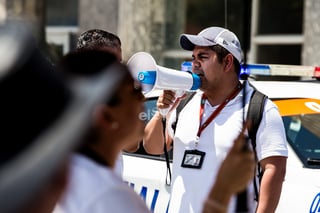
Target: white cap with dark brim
213, 36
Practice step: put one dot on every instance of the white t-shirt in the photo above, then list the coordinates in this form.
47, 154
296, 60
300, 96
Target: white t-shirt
118, 167
190, 187
94, 188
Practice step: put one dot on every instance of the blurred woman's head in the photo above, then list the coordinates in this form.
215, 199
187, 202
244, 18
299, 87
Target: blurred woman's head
116, 122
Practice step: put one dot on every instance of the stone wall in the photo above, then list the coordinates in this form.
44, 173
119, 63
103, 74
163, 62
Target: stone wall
32, 11
101, 14
311, 47
142, 25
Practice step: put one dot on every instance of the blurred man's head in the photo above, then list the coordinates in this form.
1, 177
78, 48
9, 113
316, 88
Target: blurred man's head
100, 39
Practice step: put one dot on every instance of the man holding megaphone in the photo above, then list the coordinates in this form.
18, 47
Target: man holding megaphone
210, 122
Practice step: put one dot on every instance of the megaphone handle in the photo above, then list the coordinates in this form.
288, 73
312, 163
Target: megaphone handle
164, 112
179, 94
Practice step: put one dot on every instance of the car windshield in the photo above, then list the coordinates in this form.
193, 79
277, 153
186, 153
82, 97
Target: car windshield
303, 135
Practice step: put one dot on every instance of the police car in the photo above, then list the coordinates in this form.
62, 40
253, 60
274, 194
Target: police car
299, 105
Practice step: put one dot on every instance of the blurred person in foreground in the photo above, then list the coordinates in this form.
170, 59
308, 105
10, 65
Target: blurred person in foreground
42, 118
209, 123
115, 123
94, 187
98, 39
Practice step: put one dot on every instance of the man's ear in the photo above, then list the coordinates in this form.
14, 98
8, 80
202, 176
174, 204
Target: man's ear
228, 61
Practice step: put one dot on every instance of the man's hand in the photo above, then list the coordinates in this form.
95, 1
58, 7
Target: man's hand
168, 101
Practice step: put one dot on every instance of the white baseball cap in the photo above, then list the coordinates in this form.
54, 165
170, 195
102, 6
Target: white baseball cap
214, 36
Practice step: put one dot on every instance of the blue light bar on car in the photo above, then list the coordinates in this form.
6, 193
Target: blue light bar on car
280, 70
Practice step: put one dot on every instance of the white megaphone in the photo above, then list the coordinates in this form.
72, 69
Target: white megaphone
154, 77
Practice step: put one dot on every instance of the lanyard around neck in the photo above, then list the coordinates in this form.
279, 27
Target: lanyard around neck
217, 111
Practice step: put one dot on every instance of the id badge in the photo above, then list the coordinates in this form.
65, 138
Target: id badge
193, 159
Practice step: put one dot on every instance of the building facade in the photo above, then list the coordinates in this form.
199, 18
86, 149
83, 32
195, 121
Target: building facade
281, 32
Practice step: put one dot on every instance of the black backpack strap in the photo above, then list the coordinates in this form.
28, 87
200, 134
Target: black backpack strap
189, 96
166, 154
255, 113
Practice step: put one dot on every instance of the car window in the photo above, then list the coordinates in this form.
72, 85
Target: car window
303, 135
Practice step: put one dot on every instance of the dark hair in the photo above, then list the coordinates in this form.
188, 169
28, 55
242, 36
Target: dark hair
95, 38
221, 53
32, 97
88, 62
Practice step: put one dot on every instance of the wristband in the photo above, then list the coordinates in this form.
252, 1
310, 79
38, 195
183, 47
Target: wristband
214, 206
